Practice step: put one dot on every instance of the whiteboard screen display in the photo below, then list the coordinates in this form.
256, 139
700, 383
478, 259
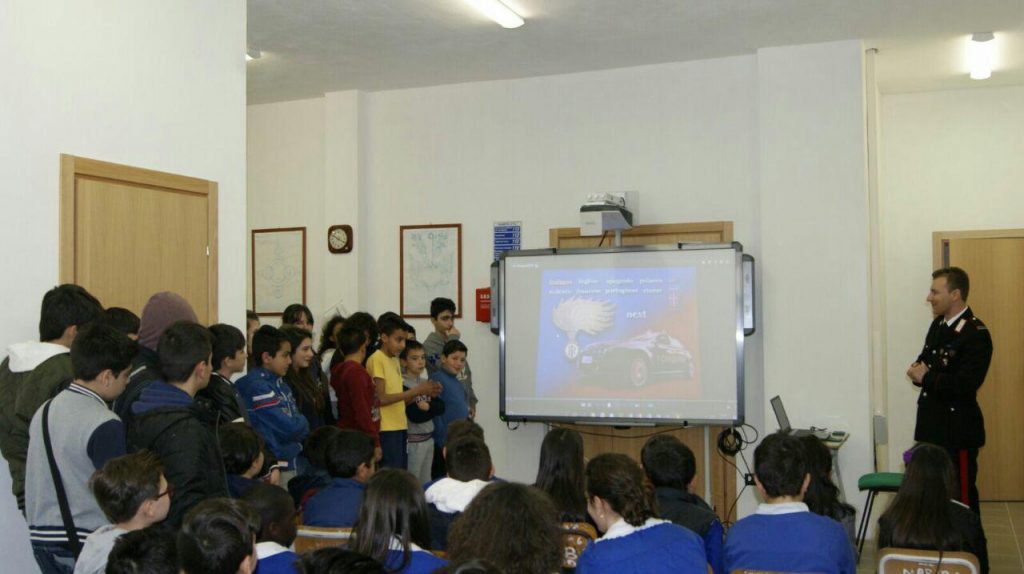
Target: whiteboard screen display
650, 335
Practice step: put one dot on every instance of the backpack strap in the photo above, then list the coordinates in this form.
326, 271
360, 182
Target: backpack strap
58, 483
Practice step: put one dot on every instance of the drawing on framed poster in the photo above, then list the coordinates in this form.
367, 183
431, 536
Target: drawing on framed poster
278, 269
430, 267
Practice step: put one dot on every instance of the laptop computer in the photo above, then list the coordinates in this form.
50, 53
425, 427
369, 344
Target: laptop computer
780, 415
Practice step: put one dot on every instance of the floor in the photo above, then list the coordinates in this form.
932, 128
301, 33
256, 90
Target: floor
1004, 529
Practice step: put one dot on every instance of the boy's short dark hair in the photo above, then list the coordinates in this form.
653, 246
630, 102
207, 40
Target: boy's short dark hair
99, 347
293, 314
267, 339
388, 324
461, 427
364, 321
440, 305
410, 346
182, 346
251, 315
315, 445
468, 459
218, 533
122, 319
454, 346
780, 464
336, 560
350, 339
124, 483
272, 503
66, 306
668, 462
227, 341
346, 451
240, 446
151, 550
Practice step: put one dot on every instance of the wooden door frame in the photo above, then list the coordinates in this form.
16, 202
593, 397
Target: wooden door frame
941, 239
71, 167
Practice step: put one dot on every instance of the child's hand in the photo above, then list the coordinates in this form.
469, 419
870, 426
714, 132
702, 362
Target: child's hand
423, 405
454, 331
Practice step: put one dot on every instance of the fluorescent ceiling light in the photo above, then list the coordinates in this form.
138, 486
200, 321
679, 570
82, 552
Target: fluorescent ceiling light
253, 54
498, 12
981, 54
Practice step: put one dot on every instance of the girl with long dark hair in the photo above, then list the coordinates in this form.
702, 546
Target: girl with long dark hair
561, 473
925, 514
309, 389
394, 525
623, 506
822, 496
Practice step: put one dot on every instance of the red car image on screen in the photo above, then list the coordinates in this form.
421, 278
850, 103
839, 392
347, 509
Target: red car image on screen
637, 359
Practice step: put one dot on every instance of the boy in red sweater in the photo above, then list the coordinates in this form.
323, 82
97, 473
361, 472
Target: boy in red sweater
358, 408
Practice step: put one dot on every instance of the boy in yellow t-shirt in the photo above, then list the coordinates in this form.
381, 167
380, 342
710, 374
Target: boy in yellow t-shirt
384, 367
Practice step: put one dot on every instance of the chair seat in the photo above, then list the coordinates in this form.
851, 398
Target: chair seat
881, 481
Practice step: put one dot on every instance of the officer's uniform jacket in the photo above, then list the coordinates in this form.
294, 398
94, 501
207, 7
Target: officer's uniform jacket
957, 356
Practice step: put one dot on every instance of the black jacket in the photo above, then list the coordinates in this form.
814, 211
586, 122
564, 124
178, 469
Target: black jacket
221, 396
685, 509
958, 357
145, 370
183, 435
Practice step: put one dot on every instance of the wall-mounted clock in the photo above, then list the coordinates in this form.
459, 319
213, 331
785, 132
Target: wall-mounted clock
339, 238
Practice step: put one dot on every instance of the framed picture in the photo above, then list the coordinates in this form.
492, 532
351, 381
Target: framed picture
278, 269
431, 267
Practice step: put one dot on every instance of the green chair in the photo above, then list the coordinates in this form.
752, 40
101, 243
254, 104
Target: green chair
874, 483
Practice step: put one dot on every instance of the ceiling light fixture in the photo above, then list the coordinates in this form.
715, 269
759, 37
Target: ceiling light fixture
981, 54
253, 54
498, 12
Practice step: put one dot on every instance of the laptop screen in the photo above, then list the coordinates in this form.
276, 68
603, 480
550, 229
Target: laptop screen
780, 414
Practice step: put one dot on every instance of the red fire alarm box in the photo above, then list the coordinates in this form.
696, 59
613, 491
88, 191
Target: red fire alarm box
483, 305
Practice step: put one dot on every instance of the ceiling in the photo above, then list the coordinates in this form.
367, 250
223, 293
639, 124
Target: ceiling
315, 46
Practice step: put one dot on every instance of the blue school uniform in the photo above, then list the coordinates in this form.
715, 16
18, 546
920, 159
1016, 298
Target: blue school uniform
275, 559
455, 405
336, 505
420, 561
656, 547
789, 538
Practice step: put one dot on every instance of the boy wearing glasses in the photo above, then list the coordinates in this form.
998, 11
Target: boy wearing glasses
134, 494
82, 433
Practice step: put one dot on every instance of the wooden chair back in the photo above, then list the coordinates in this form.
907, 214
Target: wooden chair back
575, 537
899, 560
311, 538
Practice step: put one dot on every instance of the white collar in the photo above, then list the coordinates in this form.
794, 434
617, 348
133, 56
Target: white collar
396, 544
952, 321
268, 549
621, 528
781, 508
77, 388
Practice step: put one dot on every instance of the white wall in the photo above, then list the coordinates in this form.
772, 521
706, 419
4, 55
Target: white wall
949, 161
155, 85
814, 241
530, 150
688, 137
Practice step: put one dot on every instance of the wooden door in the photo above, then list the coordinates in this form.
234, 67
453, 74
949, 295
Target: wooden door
994, 261
127, 233
601, 439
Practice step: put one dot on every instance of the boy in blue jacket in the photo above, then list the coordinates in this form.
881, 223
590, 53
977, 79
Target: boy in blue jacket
269, 402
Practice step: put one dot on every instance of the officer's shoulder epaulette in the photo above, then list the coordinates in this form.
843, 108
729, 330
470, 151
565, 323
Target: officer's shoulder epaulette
978, 324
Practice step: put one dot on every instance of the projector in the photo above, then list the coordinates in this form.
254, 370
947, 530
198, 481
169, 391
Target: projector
604, 212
